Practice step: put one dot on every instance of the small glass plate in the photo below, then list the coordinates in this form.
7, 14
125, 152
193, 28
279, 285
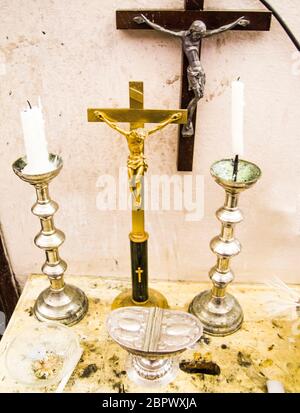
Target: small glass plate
42, 355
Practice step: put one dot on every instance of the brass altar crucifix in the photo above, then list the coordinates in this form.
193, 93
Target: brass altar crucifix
191, 25
137, 116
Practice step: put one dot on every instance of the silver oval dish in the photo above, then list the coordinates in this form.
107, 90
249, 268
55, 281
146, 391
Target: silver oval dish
153, 332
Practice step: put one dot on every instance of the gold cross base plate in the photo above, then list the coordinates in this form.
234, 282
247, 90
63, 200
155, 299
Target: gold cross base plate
156, 299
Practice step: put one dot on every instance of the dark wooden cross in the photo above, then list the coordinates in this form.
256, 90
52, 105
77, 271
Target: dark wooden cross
181, 20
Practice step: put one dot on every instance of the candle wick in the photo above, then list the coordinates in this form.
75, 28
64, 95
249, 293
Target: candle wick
239, 78
29, 104
235, 167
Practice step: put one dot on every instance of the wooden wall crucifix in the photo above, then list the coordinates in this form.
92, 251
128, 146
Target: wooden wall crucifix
182, 23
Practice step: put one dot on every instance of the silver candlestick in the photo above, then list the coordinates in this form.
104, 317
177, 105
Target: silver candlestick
153, 337
60, 302
220, 313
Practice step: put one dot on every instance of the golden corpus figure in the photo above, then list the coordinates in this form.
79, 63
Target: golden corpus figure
136, 163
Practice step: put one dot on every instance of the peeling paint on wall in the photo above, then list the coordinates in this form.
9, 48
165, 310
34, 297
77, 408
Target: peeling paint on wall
83, 61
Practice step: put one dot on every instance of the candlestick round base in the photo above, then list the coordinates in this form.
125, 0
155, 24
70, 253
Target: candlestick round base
156, 299
67, 306
219, 316
151, 373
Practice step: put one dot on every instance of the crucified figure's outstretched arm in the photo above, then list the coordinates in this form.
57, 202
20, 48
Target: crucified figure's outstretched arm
239, 22
143, 19
163, 124
113, 125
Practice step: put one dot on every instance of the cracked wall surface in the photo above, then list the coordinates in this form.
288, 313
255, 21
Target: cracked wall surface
72, 56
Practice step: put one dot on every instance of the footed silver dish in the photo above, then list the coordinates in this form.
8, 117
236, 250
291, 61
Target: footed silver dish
153, 338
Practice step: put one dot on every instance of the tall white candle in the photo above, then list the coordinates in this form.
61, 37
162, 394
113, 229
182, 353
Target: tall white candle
237, 122
35, 141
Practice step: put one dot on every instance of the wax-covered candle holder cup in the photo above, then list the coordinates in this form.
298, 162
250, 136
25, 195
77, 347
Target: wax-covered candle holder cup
153, 337
220, 312
60, 302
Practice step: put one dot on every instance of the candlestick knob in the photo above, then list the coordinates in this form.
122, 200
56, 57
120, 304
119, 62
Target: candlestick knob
60, 302
220, 312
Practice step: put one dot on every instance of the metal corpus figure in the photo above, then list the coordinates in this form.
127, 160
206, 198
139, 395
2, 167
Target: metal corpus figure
191, 39
136, 163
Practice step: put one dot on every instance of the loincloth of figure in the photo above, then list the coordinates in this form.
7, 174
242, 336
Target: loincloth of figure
196, 78
135, 162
